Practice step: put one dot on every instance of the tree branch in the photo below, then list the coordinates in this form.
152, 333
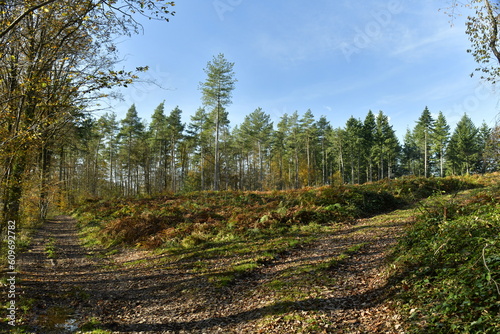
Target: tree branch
494, 35
16, 21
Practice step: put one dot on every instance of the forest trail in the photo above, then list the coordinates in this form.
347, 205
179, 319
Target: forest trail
137, 291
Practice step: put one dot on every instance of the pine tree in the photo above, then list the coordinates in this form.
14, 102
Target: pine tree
175, 129
353, 147
484, 134
294, 145
368, 133
109, 126
199, 132
423, 137
338, 142
217, 95
159, 146
324, 128
463, 148
308, 136
131, 133
410, 154
280, 152
441, 135
255, 133
386, 146
492, 150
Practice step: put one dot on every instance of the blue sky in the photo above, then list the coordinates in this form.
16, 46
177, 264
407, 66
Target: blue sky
337, 58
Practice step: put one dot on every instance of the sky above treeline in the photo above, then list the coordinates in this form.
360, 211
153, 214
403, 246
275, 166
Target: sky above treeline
337, 58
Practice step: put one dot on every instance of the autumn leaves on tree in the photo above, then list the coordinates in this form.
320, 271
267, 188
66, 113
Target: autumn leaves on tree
56, 57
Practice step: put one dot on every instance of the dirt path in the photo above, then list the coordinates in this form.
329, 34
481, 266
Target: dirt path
141, 292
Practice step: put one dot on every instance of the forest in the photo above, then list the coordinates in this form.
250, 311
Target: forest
106, 157
299, 225
57, 152
136, 157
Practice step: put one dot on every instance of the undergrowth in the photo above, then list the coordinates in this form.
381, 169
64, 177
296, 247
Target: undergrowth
450, 264
192, 219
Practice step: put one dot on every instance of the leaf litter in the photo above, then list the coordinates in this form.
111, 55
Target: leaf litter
337, 283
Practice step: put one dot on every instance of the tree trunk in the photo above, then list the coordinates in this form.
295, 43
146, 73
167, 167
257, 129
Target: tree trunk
46, 157
14, 190
217, 134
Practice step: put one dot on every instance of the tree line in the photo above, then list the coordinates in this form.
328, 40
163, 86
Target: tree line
131, 157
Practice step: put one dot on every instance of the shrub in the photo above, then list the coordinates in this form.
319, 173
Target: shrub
451, 263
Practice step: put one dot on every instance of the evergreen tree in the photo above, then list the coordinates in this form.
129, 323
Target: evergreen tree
324, 128
199, 132
131, 135
159, 146
484, 135
308, 136
338, 142
386, 146
175, 129
109, 127
255, 133
368, 133
463, 148
294, 145
410, 154
353, 148
422, 135
280, 152
441, 135
492, 150
217, 95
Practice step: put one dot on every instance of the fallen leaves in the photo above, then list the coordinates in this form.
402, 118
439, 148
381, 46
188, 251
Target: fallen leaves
293, 292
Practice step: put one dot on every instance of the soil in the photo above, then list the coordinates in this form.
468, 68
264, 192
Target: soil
138, 291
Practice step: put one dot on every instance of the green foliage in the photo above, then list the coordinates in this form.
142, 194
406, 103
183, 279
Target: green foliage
482, 29
193, 219
464, 147
50, 249
451, 264
92, 326
449, 260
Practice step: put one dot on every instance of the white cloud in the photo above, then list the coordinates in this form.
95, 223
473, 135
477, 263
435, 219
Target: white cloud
415, 46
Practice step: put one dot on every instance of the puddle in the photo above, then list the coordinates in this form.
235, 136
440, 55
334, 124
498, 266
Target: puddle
59, 319
70, 325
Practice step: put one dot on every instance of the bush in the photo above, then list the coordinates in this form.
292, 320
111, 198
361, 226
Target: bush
451, 264
173, 218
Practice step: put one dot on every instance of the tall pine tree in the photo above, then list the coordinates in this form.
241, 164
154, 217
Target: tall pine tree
422, 135
216, 96
441, 135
